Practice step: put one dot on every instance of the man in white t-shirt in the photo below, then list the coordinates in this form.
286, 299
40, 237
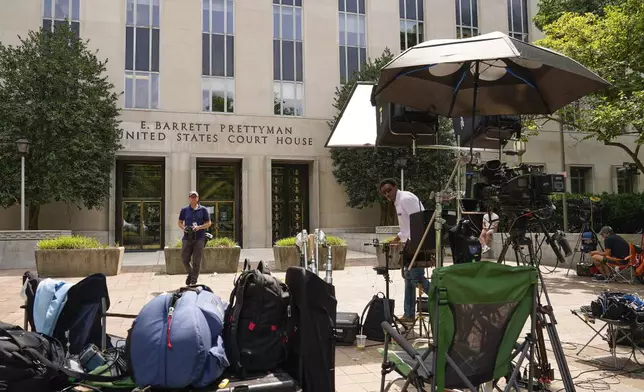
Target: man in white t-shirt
406, 203
490, 226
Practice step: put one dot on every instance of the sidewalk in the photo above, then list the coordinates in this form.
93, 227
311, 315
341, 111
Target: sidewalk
360, 371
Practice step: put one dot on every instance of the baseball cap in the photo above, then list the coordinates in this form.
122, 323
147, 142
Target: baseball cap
193, 193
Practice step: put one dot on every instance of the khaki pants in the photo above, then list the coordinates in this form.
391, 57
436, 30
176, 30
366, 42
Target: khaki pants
194, 249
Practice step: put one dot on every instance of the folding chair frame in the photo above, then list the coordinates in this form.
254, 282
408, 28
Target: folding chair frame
524, 350
104, 316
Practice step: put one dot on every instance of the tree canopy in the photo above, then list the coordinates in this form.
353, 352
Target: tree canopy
610, 43
360, 170
551, 10
53, 92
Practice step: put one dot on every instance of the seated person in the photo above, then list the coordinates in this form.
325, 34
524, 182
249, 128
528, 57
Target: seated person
616, 252
490, 226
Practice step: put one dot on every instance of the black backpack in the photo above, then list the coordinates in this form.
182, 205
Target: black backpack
376, 311
20, 369
30, 361
257, 322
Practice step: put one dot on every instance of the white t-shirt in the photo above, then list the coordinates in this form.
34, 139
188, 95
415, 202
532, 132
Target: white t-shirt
493, 222
406, 204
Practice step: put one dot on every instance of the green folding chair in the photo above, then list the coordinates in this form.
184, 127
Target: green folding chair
478, 311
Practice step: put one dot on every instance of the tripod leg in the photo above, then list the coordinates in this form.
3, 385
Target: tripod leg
549, 322
504, 250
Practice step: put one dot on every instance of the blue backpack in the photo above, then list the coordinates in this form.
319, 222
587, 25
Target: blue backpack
176, 342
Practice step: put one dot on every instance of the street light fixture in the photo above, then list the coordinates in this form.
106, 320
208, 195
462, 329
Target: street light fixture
401, 163
23, 149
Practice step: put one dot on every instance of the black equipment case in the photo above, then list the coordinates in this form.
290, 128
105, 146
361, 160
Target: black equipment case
272, 382
311, 361
347, 326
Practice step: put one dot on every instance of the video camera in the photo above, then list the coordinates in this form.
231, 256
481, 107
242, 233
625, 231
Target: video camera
516, 189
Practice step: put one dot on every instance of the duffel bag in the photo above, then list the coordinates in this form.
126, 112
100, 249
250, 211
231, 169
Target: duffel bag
176, 342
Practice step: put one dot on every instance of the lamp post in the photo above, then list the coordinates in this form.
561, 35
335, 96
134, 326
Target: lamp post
401, 162
23, 149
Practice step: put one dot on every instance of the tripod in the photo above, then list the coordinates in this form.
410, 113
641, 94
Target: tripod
384, 271
545, 318
586, 227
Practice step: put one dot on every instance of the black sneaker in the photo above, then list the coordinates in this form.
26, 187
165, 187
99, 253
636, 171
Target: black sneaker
599, 278
188, 281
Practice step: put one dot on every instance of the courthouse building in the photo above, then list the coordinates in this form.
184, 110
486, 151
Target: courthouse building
233, 97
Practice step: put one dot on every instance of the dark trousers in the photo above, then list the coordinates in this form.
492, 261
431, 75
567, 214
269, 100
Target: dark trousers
194, 249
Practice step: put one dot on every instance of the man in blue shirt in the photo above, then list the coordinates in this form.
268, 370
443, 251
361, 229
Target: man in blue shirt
194, 219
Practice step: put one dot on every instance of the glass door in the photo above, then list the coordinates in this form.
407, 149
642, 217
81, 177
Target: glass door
219, 191
139, 221
142, 223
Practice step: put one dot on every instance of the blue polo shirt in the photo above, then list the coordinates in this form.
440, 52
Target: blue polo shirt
199, 215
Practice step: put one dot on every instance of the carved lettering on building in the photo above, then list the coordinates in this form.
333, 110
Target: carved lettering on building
188, 132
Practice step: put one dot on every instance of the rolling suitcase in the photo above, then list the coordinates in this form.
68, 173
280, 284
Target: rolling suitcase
346, 328
272, 382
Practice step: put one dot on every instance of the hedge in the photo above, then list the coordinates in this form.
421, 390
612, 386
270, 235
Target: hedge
623, 212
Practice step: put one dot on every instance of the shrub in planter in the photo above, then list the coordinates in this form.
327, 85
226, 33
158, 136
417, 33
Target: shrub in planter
77, 256
220, 255
288, 255
338, 253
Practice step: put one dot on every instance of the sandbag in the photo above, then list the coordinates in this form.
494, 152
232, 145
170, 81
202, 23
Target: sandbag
175, 341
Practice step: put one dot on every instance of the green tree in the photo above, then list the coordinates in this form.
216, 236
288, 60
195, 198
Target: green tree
54, 93
610, 44
360, 170
551, 10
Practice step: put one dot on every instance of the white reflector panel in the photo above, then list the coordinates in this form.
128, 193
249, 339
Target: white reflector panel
357, 126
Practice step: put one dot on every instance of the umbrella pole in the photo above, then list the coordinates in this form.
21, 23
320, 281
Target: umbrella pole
474, 99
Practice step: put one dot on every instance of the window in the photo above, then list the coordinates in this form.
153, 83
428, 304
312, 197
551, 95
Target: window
626, 180
411, 23
467, 19
580, 180
218, 56
518, 19
56, 12
353, 37
287, 58
142, 54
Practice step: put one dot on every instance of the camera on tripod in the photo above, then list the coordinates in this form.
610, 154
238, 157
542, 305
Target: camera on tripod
519, 188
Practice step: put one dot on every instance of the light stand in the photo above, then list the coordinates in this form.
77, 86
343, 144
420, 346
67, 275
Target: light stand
23, 149
305, 237
437, 217
401, 163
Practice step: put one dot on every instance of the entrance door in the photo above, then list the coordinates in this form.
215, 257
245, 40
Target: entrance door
141, 224
290, 199
140, 196
219, 187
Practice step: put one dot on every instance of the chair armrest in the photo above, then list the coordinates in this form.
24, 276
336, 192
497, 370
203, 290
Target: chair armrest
399, 339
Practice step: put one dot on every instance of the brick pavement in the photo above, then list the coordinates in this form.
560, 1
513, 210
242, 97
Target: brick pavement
360, 371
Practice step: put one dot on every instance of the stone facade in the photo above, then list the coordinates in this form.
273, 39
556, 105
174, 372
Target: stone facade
179, 134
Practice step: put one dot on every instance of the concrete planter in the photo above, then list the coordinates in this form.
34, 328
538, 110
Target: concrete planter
67, 263
286, 256
339, 255
220, 260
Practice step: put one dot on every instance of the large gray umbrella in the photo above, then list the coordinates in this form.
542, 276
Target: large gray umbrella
511, 77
